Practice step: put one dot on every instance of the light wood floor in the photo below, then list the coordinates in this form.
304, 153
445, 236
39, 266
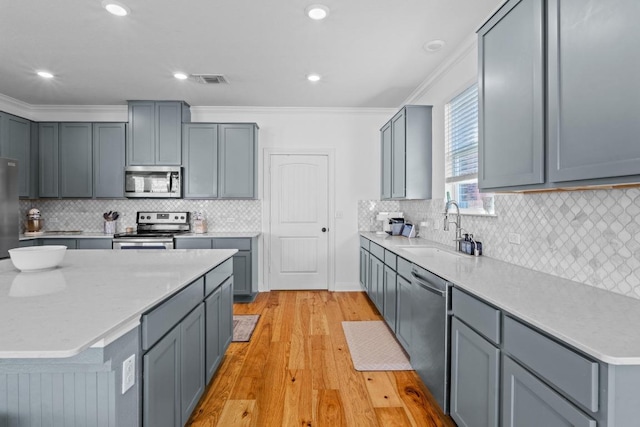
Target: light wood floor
297, 371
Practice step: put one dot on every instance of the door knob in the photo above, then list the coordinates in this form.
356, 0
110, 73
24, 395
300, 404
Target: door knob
324, 229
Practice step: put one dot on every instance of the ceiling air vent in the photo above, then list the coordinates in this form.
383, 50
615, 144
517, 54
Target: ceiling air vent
210, 79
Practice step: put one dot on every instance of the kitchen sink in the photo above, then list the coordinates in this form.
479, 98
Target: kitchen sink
429, 251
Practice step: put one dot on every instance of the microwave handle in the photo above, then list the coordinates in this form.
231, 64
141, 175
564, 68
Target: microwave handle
169, 178
174, 176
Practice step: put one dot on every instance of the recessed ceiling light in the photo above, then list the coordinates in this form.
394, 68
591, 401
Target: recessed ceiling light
45, 74
317, 11
313, 77
115, 8
180, 76
434, 45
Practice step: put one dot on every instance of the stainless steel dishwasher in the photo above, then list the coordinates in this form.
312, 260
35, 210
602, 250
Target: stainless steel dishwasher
429, 348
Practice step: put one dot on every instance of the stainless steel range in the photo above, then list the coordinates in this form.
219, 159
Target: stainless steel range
154, 230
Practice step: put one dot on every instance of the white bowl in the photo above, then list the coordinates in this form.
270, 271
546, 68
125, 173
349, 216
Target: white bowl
33, 258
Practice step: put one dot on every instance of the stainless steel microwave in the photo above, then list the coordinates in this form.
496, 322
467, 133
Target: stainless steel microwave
153, 181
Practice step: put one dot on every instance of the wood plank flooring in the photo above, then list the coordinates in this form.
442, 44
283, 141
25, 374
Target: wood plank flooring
297, 371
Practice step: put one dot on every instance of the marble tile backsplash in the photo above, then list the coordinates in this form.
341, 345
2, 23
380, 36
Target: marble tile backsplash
590, 236
86, 214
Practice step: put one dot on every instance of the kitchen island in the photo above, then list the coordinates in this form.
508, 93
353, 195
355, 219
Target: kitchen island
67, 331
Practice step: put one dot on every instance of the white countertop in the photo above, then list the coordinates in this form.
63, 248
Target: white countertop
602, 324
91, 297
220, 234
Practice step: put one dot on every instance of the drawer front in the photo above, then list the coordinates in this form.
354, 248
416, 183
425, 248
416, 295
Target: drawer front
475, 313
240, 244
377, 251
390, 259
364, 243
404, 268
215, 277
160, 320
193, 243
571, 372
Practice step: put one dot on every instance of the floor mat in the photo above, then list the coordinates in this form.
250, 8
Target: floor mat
243, 326
374, 348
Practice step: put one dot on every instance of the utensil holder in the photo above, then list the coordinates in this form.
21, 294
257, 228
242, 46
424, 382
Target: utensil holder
109, 227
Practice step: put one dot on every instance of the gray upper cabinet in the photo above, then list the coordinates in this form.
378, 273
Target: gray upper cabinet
406, 154
200, 156
220, 160
511, 96
154, 132
385, 136
552, 114
76, 160
593, 100
398, 155
48, 159
237, 163
108, 160
15, 143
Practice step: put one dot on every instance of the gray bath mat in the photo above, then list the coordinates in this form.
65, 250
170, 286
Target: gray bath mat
243, 326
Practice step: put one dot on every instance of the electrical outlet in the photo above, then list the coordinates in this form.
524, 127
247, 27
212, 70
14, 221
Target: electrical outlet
339, 214
128, 373
514, 238
436, 225
231, 219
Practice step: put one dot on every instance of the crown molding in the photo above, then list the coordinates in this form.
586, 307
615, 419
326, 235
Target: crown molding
468, 44
14, 106
290, 110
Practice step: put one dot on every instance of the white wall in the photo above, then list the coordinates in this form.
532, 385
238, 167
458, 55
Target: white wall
456, 74
353, 135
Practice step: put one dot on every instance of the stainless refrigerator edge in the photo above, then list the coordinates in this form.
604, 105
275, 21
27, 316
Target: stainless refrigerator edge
9, 210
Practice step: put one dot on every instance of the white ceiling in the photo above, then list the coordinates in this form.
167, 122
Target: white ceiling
369, 52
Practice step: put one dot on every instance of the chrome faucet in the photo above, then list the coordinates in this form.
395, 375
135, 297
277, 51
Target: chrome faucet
456, 222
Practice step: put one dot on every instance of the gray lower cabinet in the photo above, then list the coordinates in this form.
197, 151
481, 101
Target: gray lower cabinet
76, 160
390, 289
376, 290
192, 361
185, 338
15, 143
364, 267
220, 160
161, 390
406, 154
154, 133
244, 272
108, 160
69, 243
48, 159
212, 341
527, 401
475, 378
219, 325
84, 243
404, 315
511, 96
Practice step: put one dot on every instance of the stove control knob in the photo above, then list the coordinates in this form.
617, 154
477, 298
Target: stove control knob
148, 217
182, 217
176, 217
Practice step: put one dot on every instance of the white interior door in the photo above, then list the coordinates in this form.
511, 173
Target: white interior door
299, 222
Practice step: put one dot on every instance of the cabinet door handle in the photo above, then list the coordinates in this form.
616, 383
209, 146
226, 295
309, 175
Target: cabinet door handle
324, 229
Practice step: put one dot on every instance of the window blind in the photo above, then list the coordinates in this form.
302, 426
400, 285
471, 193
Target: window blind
461, 136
